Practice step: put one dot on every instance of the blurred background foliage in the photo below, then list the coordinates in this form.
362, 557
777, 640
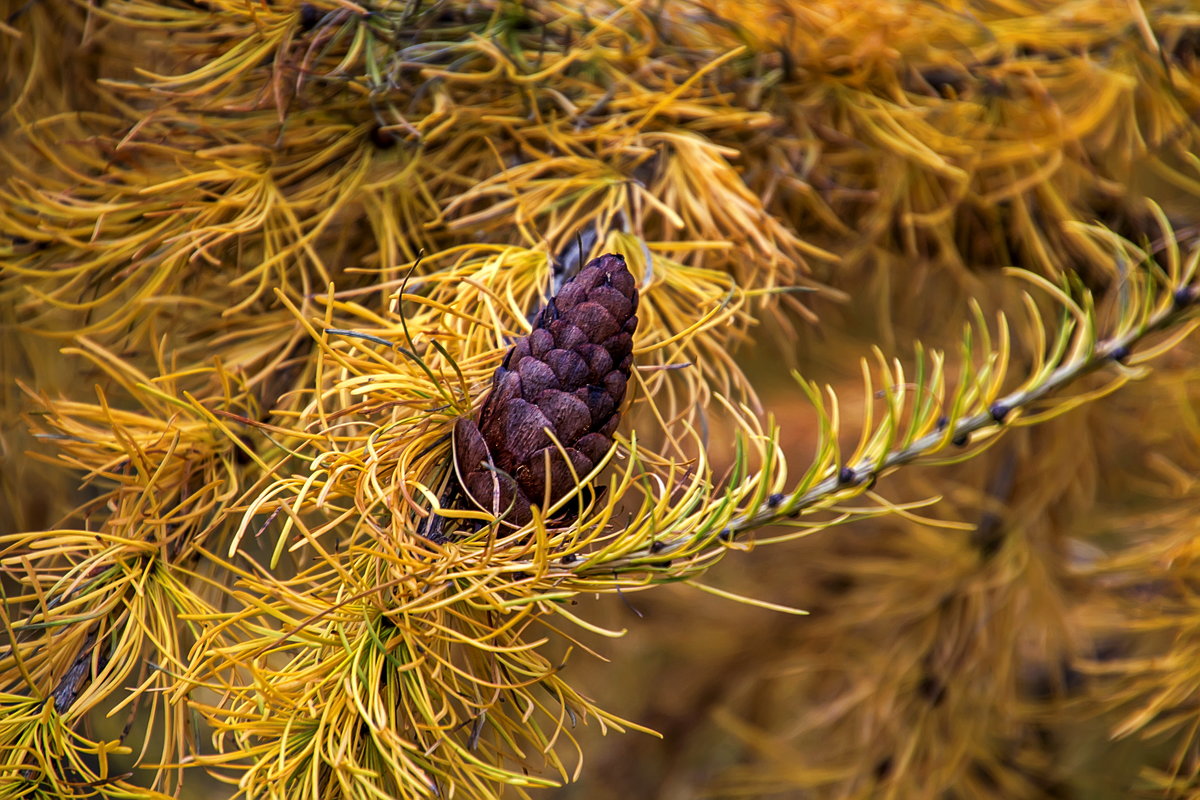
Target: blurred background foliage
193, 189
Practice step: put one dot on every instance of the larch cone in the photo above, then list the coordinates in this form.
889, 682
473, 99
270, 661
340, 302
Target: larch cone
567, 377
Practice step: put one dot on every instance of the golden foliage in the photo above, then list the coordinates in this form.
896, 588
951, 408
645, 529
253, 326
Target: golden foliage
284, 246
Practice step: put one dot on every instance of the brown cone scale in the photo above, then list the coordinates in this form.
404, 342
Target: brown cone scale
568, 376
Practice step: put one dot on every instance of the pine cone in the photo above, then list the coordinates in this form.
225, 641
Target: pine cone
567, 376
